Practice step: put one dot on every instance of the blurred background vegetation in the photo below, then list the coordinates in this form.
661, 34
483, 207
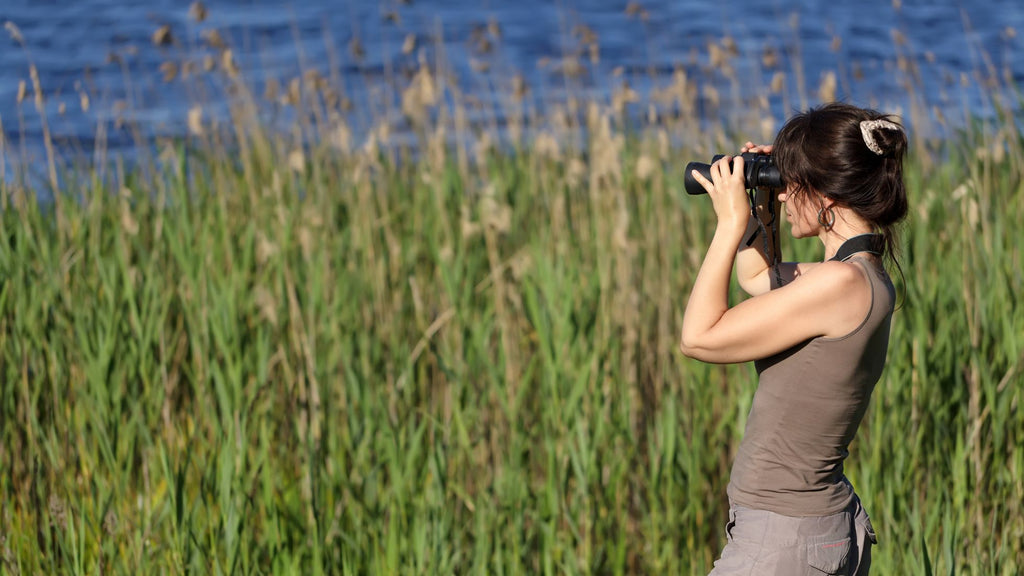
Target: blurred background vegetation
275, 344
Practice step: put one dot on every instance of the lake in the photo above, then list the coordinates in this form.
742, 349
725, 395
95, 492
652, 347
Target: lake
100, 60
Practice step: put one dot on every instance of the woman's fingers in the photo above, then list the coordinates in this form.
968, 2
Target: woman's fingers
756, 148
704, 182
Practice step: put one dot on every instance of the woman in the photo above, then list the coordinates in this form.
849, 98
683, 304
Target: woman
818, 332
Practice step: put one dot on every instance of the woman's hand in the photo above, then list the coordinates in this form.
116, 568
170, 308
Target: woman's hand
727, 191
756, 148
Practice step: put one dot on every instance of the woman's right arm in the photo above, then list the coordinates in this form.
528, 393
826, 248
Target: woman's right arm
754, 261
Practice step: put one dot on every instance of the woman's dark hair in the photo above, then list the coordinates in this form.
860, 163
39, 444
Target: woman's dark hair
824, 149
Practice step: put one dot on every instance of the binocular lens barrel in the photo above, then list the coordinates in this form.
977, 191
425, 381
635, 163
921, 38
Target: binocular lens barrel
693, 187
758, 172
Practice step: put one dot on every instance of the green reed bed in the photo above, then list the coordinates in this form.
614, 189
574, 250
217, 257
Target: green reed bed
251, 357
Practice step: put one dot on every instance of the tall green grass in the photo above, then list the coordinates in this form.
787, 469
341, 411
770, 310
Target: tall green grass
253, 356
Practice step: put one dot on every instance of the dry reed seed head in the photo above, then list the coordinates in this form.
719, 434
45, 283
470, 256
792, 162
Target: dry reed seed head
571, 67
468, 227
162, 36
575, 172
778, 82
266, 304
682, 91
607, 148
514, 131
999, 145
294, 95
313, 80
341, 137
228, 64
188, 69
169, 71
197, 11
482, 148
128, 222
717, 57
858, 71
213, 39
769, 57
520, 265
827, 89
645, 167
419, 95
519, 87
355, 47
481, 44
22, 91
110, 524
265, 249
14, 31
729, 45
297, 161
392, 17
209, 63
494, 214
837, 44
271, 90
585, 34
768, 128
546, 146
711, 95
383, 131
494, 29
664, 145
332, 99
624, 95
195, 120
437, 149
58, 514
636, 10
370, 149
409, 44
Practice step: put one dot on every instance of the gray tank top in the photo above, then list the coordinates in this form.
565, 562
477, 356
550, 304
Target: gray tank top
809, 402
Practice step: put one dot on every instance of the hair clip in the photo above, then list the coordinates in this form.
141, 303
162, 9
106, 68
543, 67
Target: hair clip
866, 130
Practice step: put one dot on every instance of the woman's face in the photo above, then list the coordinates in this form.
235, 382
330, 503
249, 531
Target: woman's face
801, 211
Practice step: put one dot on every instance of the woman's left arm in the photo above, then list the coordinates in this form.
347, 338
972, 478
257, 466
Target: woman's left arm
829, 301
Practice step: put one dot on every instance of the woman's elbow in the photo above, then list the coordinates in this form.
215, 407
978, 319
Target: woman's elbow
690, 347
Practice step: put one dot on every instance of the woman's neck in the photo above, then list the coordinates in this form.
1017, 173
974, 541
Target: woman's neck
847, 226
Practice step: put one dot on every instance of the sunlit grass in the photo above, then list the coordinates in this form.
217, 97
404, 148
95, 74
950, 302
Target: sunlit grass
310, 352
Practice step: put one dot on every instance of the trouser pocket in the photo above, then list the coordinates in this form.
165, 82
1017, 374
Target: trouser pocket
829, 554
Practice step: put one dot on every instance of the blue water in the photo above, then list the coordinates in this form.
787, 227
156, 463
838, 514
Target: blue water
103, 48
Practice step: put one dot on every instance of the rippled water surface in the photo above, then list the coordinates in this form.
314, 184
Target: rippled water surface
105, 50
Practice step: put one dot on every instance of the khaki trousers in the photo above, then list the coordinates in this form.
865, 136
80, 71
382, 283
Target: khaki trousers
764, 543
